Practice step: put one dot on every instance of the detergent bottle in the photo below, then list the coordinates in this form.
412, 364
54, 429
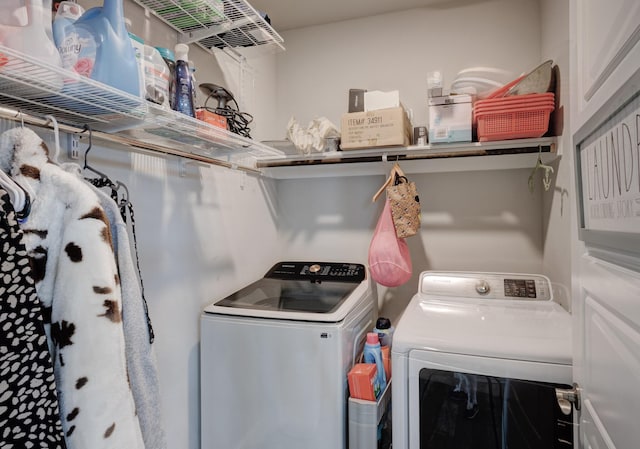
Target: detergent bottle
170, 60
183, 95
68, 12
385, 330
373, 354
25, 27
97, 46
156, 76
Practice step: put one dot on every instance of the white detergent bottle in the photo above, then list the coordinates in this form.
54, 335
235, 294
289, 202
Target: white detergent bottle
25, 27
156, 75
68, 12
373, 354
138, 49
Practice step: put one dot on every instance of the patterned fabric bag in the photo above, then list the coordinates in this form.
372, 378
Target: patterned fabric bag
405, 206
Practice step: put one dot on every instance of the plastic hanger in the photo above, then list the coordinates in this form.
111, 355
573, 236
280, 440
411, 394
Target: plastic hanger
86, 165
17, 195
396, 171
546, 179
56, 136
103, 180
121, 185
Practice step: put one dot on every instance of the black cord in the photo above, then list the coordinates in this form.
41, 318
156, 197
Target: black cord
125, 205
237, 122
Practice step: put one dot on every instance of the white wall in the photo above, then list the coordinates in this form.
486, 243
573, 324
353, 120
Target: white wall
395, 51
560, 200
484, 221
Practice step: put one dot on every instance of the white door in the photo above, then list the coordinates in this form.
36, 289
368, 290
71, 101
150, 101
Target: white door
605, 122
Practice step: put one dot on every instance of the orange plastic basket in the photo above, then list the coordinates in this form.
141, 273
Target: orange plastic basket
513, 124
514, 117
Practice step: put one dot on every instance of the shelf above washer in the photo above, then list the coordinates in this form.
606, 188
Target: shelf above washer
471, 156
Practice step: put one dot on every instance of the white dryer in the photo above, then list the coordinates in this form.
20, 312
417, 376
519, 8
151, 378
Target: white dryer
275, 357
478, 360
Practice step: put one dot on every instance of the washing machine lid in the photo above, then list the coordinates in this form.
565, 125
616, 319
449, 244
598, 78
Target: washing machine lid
510, 316
306, 291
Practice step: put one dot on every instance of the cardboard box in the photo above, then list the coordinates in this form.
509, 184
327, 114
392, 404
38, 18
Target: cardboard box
450, 119
381, 128
211, 118
362, 380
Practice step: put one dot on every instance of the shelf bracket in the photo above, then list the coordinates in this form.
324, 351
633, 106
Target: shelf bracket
195, 36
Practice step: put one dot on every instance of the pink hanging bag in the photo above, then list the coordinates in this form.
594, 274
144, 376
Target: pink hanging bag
389, 257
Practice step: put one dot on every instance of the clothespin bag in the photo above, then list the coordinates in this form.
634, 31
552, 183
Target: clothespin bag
389, 257
405, 206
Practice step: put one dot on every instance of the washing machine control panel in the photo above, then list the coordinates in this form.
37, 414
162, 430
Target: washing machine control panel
497, 286
318, 271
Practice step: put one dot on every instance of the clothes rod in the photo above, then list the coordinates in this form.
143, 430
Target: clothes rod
21, 117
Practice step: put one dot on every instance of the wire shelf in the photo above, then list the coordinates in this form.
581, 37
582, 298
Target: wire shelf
35, 88
216, 23
169, 128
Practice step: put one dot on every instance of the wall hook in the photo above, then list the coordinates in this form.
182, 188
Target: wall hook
546, 179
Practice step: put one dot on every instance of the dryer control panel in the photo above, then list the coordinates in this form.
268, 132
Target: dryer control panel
496, 286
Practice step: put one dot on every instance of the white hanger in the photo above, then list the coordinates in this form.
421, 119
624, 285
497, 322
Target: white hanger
17, 196
56, 137
548, 170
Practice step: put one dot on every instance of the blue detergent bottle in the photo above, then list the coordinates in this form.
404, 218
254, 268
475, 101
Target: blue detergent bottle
97, 46
373, 354
183, 95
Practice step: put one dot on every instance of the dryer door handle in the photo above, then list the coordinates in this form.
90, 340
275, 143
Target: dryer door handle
568, 398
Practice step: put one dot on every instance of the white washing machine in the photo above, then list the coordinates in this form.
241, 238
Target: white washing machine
275, 356
477, 359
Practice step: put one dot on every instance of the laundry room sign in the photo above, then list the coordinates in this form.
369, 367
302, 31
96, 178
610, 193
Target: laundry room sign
609, 173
